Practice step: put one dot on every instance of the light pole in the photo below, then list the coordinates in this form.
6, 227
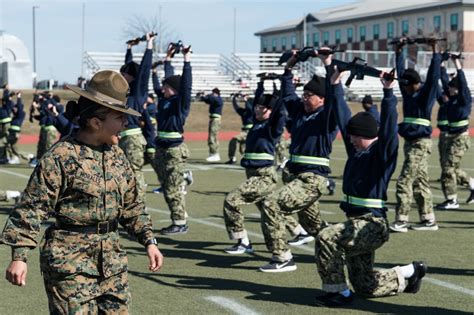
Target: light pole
34, 40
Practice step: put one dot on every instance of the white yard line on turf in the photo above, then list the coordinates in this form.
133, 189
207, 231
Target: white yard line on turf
231, 305
306, 248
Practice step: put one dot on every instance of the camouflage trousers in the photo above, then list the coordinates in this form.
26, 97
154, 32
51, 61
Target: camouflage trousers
47, 138
442, 147
413, 181
3, 140
452, 174
355, 242
281, 150
78, 294
239, 141
212, 141
170, 163
134, 147
300, 195
12, 148
260, 182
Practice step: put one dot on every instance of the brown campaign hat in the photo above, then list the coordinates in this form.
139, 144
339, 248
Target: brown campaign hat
107, 88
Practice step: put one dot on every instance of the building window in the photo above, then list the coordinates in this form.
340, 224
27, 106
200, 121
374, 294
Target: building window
337, 35
405, 28
437, 23
293, 41
420, 26
316, 39
283, 43
454, 22
376, 30
307, 40
362, 32
264, 45
326, 38
350, 35
390, 29
274, 44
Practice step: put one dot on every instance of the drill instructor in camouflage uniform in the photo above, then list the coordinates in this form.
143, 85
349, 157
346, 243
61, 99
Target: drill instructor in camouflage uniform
171, 151
458, 141
353, 243
313, 132
87, 184
132, 140
413, 181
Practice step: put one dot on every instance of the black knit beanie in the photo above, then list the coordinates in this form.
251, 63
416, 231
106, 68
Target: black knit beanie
130, 68
317, 85
267, 100
173, 81
362, 124
411, 76
367, 99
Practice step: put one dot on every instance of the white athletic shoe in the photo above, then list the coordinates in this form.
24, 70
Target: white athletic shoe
13, 195
14, 160
213, 158
399, 226
279, 266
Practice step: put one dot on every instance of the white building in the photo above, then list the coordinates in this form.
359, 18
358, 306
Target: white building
15, 64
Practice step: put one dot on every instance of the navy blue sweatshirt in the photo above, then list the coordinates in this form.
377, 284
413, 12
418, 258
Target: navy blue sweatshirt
459, 106
312, 134
138, 87
172, 112
367, 173
6, 107
18, 116
375, 113
46, 118
417, 107
442, 118
215, 104
245, 113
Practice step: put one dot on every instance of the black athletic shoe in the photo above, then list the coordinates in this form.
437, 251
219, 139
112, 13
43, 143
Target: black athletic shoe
174, 229
414, 282
470, 199
279, 266
334, 299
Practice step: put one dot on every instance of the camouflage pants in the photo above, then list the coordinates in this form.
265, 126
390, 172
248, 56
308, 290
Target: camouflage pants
78, 294
355, 242
299, 195
134, 147
281, 150
442, 148
12, 148
240, 141
3, 140
47, 138
260, 182
414, 182
170, 163
452, 174
212, 141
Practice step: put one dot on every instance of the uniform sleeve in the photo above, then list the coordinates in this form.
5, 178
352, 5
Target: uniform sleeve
128, 56
37, 201
400, 66
169, 69
143, 76
388, 131
342, 114
134, 218
463, 88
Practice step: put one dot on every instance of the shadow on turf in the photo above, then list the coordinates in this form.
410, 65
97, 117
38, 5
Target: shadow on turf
279, 294
5, 209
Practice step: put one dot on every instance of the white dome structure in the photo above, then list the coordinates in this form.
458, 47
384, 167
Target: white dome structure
15, 63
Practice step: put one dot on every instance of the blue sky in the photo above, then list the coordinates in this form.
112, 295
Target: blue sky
207, 25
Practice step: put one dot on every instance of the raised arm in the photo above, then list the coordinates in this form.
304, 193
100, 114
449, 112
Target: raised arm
143, 76
388, 130
338, 106
186, 82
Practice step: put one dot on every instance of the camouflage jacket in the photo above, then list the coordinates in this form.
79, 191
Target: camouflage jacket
78, 185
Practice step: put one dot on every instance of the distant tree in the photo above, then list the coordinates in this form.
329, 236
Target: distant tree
138, 25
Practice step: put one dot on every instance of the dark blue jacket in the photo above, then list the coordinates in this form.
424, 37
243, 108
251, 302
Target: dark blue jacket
420, 104
138, 87
18, 116
367, 173
459, 106
375, 113
46, 118
312, 134
442, 118
245, 113
215, 104
172, 112
6, 107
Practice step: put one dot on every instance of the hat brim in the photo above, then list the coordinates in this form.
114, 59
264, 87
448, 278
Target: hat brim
118, 107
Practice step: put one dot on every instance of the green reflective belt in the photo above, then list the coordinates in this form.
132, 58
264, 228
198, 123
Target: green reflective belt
169, 135
364, 202
5, 120
303, 159
258, 156
15, 128
246, 127
217, 116
49, 127
150, 150
460, 123
130, 132
443, 122
417, 121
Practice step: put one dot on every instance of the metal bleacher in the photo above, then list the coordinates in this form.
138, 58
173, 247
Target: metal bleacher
238, 72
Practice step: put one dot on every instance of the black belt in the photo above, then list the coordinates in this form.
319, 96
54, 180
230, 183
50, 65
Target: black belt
103, 227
